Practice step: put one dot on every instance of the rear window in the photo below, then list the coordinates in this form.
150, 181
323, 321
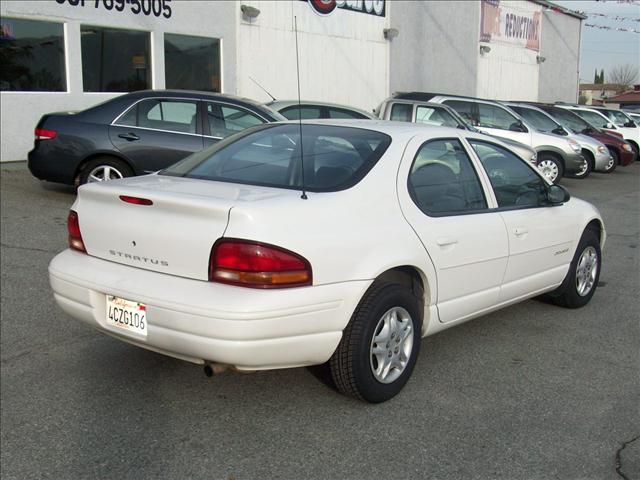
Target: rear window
335, 158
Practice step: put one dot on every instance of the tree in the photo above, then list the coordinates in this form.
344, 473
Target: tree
624, 76
596, 77
601, 76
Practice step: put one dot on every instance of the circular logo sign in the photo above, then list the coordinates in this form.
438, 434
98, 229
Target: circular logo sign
323, 7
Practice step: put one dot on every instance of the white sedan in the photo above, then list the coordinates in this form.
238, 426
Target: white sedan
347, 247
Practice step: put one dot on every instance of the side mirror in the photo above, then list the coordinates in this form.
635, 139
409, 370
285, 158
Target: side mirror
558, 195
610, 126
559, 131
630, 124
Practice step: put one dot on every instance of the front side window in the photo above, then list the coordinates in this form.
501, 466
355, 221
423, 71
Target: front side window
170, 115
342, 113
443, 180
115, 60
538, 119
225, 120
569, 120
401, 112
304, 112
435, 116
32, 56
192, 63
464, 109
334, 158
514, 183
593, 118
492, 116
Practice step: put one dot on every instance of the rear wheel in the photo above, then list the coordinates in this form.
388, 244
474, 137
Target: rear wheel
102, 169
551, 167
582, 279
380, 345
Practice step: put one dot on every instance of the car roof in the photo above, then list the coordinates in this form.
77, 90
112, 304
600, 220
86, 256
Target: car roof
280, 104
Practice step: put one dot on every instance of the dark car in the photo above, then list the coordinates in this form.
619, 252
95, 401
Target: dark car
137, 133
620, 150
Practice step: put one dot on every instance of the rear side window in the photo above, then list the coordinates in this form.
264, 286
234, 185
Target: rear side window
225, 120
401, 112
170, 115
308, 112
443, 180
335, 158
514, 182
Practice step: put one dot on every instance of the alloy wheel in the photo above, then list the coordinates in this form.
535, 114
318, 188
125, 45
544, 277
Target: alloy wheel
586, 271
103, 173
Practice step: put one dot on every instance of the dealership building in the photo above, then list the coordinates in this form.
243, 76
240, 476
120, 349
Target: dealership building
64, 55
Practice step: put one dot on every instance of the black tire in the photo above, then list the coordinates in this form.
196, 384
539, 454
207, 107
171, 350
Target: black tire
548, 157
567, 294
118, 168
588, 167
352, 363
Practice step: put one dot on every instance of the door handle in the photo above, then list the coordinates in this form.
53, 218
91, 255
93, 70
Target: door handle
130, 137
520, 231
444, 241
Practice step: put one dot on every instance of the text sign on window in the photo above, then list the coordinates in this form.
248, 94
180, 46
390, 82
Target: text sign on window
157, 8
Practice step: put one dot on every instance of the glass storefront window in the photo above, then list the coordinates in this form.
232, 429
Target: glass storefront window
192, 63
115, 60
31, 56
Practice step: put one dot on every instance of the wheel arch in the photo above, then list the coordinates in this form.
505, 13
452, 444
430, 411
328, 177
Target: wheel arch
98, 154
591, 158
548, 150
597, 226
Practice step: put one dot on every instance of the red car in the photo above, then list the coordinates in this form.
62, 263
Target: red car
620, 150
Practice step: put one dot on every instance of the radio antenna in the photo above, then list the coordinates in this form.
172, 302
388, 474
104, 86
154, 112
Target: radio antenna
304, 193
263, 89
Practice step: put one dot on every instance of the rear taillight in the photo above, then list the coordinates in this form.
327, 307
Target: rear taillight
75, 237
257, 265
44, 134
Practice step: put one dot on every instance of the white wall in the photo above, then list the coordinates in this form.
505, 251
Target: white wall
20, 111
509, 72
343, 56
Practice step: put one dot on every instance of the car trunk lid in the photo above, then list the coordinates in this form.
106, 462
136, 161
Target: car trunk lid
174, 234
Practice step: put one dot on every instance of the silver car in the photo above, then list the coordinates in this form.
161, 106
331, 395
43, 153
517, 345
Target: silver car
437, 114
310, 110
598, 156
557, 155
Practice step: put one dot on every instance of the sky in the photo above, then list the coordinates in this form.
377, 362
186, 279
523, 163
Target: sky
606, 48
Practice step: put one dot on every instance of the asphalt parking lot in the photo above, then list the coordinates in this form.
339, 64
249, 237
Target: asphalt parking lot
531, 392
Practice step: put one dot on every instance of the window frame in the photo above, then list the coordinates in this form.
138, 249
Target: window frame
481, 176
321, 109
199, 114
65, 46
220, 56
497, 207
152, 76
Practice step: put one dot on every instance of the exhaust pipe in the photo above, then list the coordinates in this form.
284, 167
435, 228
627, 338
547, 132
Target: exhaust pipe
211, 369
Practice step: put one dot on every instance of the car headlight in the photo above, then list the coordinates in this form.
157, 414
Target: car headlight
602, 149
575, 146
627, 147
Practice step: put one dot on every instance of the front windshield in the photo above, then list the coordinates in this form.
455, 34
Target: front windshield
539, 120
593, 118
334, 158
571, 121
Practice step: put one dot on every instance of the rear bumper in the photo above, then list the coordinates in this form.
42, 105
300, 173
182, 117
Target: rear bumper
45, 166
200, 321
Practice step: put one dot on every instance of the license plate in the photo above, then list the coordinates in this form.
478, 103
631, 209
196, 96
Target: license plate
127, 314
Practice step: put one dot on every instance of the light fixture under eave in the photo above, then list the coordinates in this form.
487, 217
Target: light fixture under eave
484, 49
390, 33
540, 59
249, 11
